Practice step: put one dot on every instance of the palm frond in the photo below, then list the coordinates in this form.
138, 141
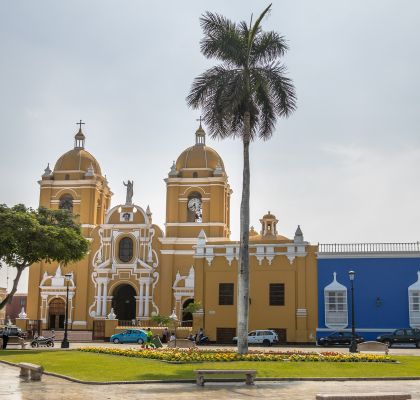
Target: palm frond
266, 116
256, 27
250, 79
281, 88
222, 39
267, 47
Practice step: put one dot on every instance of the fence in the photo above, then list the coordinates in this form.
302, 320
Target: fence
329, 248
147, 323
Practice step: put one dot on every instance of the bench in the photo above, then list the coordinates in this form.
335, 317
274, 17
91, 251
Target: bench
364, 396
373, 346
14, 340
35, 370
249, 373
181, 343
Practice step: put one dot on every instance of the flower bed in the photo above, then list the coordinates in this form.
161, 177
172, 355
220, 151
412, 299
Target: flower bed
195, 355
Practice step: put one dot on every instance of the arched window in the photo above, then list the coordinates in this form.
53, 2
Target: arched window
125, 249
194, 208
66, 202
335, 297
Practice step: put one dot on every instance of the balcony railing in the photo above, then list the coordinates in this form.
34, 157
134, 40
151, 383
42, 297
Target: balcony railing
334, 248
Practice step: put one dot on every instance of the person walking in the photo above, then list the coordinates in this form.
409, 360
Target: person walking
165, 336
5, 337
149, 337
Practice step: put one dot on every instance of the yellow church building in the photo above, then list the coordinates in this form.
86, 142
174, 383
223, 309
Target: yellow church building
135, 270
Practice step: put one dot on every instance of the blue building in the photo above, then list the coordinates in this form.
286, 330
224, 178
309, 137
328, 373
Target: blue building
386, 287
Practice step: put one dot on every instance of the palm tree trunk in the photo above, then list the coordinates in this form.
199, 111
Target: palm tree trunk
243, 270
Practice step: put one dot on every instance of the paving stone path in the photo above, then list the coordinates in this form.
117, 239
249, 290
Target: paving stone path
51, 388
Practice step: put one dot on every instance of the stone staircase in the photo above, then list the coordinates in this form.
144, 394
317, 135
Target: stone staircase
73, 336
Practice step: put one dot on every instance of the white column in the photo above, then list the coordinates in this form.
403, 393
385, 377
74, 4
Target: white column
99, 299
70, 317
104, 298
146, 305
44, 308
141, 299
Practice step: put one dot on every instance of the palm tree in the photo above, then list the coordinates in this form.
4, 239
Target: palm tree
241, 98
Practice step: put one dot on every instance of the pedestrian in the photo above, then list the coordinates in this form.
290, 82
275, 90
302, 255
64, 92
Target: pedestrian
165, 336
149, 337
5, 338
172, 336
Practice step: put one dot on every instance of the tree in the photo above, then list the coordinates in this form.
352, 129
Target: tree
161, 320
242, 98
193, 307
29, 236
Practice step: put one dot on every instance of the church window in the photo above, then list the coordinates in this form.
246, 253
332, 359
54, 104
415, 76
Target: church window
276, 294
125, 249
66, 203
67, 177
194, 208
225, 294
195, 175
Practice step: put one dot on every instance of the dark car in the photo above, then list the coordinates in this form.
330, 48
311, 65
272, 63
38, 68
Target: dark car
338, 338
405, 335
12, 331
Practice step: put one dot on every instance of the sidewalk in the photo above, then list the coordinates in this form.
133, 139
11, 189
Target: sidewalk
13, 388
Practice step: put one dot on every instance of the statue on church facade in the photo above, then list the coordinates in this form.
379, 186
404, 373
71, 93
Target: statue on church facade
129, 195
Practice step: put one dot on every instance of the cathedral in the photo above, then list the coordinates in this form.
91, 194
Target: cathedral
135, 269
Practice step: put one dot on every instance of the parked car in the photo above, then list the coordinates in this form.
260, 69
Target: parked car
264, 337
405, 335
339, 338
130, 336
13, 330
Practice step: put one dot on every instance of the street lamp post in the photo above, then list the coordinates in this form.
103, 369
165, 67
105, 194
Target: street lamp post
65, 343
353, 344
174, 319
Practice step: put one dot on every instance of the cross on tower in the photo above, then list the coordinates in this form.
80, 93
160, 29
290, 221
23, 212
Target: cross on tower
80, 123
199, 119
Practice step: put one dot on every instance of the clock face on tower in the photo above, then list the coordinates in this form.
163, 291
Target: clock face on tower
194, 205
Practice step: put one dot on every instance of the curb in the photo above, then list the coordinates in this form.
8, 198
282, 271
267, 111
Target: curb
145, 382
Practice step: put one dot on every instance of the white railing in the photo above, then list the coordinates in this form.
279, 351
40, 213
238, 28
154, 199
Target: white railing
333, 248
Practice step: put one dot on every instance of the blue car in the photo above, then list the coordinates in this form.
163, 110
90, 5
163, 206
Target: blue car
129, 336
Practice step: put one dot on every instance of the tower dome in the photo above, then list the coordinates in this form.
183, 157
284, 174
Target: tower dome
200, 156
78, 159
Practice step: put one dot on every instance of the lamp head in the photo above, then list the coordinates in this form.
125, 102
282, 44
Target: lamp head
351, 275
68, 276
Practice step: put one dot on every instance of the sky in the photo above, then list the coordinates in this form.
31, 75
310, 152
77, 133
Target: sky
345, 165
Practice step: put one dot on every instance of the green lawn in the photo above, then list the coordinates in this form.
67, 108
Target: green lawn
102, 367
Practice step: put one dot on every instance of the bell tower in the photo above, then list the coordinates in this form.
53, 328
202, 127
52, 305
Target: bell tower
77, 184
198, 193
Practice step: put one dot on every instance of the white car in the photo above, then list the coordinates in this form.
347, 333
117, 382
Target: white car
264, 337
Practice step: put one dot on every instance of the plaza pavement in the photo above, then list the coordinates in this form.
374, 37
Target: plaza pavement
51, 388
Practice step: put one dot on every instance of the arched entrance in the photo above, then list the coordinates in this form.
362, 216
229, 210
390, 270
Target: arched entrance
187, 318
124, 302
56, 313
